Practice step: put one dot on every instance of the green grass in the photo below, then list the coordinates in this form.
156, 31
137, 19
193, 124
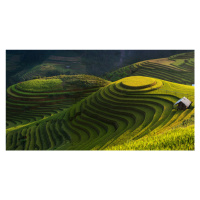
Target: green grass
178, 62
187, 55
175, 139
41, 85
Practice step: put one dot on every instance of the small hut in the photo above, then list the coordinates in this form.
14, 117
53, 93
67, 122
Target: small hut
183, 103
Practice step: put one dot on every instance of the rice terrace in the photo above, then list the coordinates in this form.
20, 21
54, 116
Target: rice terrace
100, 100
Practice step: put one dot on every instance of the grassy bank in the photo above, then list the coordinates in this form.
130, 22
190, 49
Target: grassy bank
181, 138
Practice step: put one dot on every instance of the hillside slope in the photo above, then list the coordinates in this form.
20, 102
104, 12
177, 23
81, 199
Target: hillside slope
177, 68
122, 111
53, 66
22, 65
36, 99
181, 138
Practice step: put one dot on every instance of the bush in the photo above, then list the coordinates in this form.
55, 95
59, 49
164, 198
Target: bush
54, 72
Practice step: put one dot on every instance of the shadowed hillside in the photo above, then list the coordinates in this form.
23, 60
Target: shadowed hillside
22, 65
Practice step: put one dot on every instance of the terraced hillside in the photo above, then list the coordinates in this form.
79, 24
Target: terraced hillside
33, 100
25, 65
53, 65
178, 68
123, 111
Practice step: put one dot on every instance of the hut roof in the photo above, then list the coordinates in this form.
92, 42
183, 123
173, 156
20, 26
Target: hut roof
184, 100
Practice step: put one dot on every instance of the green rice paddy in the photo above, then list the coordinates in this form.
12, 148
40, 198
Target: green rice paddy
26, 103
113, 116
178, 68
